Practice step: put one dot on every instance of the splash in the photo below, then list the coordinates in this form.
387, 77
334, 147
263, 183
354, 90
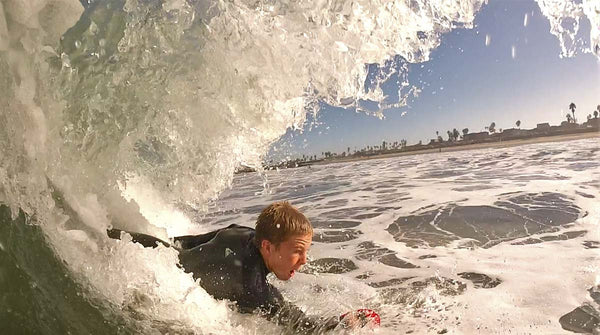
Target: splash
565, 17
180, 93
132, 112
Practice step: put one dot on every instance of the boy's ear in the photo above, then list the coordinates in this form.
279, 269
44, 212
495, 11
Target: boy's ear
265, 245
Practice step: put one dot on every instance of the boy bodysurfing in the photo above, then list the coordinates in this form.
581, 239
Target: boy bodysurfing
233, 263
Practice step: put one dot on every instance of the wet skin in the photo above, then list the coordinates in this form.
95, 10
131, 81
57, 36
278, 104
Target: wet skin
287, 257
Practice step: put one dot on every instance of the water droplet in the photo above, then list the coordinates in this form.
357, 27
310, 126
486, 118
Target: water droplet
93, 28
77, 44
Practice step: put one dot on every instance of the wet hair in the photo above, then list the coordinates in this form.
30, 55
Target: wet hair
280, 221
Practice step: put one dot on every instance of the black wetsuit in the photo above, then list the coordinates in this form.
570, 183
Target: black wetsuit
230, 266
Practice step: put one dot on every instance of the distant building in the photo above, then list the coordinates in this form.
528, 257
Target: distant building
543, 126
513, 132
568, 125
594, 123
476, 136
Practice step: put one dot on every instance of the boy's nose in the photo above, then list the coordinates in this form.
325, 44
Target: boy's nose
302, 259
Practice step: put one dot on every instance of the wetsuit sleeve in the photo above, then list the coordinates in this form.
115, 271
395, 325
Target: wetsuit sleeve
146, 240
191, 241
289, 315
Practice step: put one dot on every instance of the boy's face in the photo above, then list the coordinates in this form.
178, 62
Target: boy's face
287, 257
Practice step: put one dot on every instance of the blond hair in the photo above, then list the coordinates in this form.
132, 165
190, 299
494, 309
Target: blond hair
279, 221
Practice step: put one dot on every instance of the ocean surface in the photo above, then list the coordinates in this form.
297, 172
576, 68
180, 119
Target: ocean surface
486, 241
135, 114
489, 241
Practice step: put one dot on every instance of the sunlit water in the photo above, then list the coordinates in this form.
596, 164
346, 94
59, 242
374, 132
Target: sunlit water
488, 241
135, 114
492, 240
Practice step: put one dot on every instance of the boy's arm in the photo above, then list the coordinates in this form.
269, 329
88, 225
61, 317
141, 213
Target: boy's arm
289, 315
192, 241
146, 240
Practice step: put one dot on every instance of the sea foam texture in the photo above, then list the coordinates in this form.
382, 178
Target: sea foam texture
565, 17
123, 98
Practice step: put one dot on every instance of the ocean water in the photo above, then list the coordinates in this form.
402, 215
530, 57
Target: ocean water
135, 114
484, 241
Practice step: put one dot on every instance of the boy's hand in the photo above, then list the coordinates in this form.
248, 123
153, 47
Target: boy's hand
360, 318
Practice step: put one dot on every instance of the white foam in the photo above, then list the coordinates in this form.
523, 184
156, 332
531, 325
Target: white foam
180, 105
565, 17
153, 208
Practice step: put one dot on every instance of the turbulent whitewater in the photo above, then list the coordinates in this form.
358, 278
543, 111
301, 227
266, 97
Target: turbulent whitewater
136, 113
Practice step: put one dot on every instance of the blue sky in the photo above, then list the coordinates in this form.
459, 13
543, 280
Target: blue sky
467, 84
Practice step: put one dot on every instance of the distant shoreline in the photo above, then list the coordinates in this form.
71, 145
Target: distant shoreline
443, 147
501, 143
473, 146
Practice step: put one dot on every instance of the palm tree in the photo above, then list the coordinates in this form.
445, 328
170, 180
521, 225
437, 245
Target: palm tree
518, 123
596, 114
492, 127
572, 108
455, 134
